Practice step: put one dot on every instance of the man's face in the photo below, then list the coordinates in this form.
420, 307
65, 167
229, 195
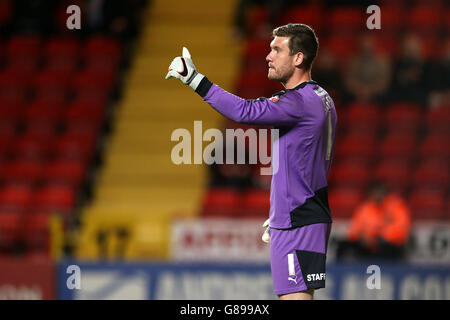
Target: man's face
281, 63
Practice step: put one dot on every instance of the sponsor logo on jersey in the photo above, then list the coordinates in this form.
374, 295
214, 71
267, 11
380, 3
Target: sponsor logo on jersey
275, 98
315, 276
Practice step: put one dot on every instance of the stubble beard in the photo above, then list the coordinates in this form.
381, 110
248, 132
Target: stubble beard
281, 76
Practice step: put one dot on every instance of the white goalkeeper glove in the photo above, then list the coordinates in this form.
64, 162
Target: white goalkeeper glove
266, 234
183, 68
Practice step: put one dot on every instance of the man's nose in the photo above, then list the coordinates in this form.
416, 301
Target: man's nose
268, 58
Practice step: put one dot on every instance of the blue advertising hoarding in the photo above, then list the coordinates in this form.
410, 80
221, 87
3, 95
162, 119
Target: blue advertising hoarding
167, 281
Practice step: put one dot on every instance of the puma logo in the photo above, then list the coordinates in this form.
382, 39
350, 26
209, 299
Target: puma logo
184, 73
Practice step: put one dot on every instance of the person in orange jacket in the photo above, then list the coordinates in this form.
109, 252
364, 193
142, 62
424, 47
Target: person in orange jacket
379, 227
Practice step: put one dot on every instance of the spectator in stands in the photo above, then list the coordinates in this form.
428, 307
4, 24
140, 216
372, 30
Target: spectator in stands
327, 73
118, 18
408, 72
34, 16
331, 4
237, 176
232, 175
275, 9
438, 78
368, 74
379, 227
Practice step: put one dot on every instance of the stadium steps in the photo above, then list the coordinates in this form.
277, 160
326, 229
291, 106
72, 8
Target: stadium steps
139, 186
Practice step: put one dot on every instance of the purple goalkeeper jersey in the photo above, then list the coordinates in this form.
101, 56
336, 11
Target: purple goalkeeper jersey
306, 119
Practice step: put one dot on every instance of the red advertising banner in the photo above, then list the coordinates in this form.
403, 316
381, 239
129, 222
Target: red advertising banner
27, 279
230, 240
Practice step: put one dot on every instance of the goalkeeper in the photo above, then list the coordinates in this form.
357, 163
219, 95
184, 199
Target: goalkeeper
299, 220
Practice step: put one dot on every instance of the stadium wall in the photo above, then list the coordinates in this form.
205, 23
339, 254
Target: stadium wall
167, 281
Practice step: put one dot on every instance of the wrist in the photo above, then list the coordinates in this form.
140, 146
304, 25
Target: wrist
196, 81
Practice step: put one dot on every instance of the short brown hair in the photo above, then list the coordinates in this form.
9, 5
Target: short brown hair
302, 38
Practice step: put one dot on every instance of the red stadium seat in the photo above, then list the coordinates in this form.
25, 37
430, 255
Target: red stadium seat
342, 46
93, 80
256, 203
14, 95
253, 83
23, 47
52, 80
102, 48
221, 202
25, 68
15, 197
447, 210
363, 117
346, 19
438, 119
424, 18
434, 146
65, 67
10, 230
6, 141
432, 173
343, 201
84, 129
311, 15
24, 171
350, 173
403, 116
398, 145
394, 173
42, 128
67, 172
33, 146
37, 231
356, 145
86, 111
386, 44
10, 112
392, 18
54, 198
75, 146
13, 79
44, 111
427, 203
62, 48
255, 49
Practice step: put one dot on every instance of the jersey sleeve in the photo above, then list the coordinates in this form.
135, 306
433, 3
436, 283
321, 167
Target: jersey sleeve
283, 110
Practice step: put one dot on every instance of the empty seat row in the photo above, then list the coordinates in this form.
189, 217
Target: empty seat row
229, 202
70, 144
394, 172
50, 197
63, 171
399, 145
33, 47
52, 112
425, 203
57, 80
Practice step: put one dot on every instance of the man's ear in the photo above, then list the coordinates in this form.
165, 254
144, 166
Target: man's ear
299, 56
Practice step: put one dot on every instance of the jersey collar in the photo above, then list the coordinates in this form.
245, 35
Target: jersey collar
303, 84
300, 86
